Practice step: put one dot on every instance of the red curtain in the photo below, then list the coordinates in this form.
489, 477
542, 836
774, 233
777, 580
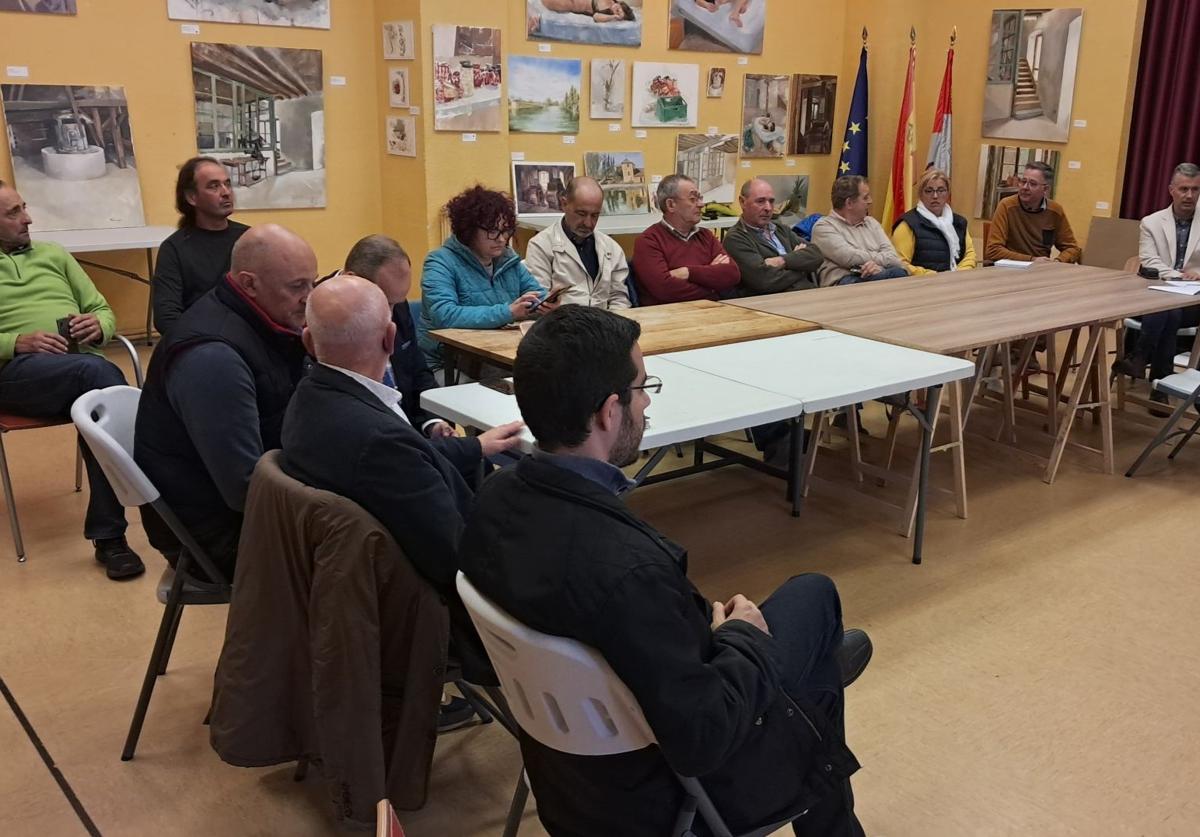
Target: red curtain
1165, 129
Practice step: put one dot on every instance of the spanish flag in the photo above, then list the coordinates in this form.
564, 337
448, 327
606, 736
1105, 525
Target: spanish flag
899, 193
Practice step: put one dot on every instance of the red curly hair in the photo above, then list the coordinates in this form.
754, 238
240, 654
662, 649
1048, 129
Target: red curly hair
478, 208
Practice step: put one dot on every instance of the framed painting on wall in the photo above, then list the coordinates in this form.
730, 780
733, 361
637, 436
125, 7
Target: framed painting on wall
711, 161
398, 43
622, 177
310, 14
791, 197
543, 95
813, 101
614, 22
665, 95
765, 115
40, 7
608, 88
999, 168
466, 78
398, 87
402, 136
717, 25
540, 188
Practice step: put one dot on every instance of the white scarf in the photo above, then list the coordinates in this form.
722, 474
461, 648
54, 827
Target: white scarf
945, 225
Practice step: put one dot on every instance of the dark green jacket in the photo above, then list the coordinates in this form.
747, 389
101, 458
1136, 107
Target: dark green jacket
750, 252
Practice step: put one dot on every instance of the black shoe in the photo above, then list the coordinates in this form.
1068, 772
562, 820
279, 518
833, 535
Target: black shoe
118, 559
853, 654
456, 714
1159, 412
778, 454
1133, 365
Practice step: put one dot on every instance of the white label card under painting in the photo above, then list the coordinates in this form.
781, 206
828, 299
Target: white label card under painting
311, 14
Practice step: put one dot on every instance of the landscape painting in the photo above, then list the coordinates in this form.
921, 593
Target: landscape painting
791, 197
72, 156
41, 7
543, 95
718, 25
466, 78
999, 168
711, 161
622, 176
1031, 67
311, 14
665, 95
398, 44
398, 87
614, 22
540, 188
261, 112
608, 88
402, 136
765, 115
813, 100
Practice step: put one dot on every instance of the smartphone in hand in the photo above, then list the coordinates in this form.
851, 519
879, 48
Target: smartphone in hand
63, 325
551, 297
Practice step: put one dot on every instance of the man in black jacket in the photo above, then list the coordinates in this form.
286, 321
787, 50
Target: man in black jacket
748, 699
346, 432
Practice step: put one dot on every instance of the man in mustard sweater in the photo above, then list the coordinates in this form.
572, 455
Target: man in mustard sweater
1026, 225
42, 372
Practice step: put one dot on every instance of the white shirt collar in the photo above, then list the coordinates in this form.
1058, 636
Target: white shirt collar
389, 396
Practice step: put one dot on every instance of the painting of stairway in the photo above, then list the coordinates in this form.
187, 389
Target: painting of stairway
1032, 60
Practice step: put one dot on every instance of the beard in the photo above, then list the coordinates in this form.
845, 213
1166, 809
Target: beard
629, 440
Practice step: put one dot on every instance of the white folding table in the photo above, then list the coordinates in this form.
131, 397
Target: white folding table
114, 240
827, 370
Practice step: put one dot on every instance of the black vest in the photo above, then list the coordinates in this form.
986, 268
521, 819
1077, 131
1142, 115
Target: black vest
932, 251
162, 446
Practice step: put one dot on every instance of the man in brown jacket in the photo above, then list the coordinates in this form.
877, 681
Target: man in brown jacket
1027, 224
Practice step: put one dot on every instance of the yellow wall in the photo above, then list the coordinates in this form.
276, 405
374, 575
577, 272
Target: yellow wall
1103, 93
132, 43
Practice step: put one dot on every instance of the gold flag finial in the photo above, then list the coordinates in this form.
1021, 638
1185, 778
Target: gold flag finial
912, 35
953, 37
864, 36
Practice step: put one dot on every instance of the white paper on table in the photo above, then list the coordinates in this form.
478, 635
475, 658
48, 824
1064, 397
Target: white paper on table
1177, 286
1014, 263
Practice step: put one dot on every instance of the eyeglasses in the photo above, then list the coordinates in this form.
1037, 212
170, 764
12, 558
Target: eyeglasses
940, 190
1030, 182
498, 235
653, 385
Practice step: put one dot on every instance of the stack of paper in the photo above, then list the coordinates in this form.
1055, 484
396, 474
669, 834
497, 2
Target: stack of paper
1178, 286
1012, 263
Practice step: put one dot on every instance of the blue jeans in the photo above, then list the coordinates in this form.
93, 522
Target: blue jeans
805, 618
43, 385
886, 273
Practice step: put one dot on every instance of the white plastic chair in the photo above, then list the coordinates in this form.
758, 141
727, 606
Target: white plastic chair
105, 419
564, 695
1186, 387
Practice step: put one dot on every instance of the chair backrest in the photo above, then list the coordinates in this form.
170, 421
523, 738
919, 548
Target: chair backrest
562, 693
1110, 241
1133, 264
105, 419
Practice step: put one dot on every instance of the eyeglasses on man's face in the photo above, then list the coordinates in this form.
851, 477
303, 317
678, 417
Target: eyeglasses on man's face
652, 385
1032, 183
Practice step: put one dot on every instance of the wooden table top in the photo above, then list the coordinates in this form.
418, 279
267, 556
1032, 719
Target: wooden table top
955, 312
675, 327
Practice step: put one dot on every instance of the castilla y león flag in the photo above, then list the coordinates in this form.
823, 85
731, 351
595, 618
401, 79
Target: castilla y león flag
939, 143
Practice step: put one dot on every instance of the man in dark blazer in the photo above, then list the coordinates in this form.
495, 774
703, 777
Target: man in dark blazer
771, 257
345, 432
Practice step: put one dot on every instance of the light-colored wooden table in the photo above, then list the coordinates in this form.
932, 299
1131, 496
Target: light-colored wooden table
676, 327
990, 310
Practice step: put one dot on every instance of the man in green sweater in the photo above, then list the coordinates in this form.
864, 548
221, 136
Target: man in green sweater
42, 371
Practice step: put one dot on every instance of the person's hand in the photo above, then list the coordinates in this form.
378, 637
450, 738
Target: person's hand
721, 258
799, 247
774, 261
680, 273
718, 615
545, 308
501, 438
520, 306
1190, 276
739, 607
85, 328
439, 430
869, 269
1037, 259
44, 342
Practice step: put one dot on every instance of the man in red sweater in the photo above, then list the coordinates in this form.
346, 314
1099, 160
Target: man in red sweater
676, 260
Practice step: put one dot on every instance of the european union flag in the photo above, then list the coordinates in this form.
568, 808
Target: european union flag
854, 145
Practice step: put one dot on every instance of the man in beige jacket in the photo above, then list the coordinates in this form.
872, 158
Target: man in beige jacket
575, 256
855, 247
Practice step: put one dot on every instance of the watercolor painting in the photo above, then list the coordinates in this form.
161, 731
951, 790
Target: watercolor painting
813, 101
540, 188
261, 112
398, 43
402, 136
311, 14
711, 161
40, 7
544, 95
1031, 67
999, 168
466, 78
718, 25
665, 95
622, 176
72, 156
608, 88
791, 197
765, 115
398, 87
613, 22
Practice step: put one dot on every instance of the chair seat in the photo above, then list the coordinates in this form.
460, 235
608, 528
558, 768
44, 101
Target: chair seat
1136, 325
11, 421
1181, 384
193, 594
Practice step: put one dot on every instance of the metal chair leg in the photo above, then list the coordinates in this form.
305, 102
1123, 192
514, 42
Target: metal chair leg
517, 808
78, 463
11, 502
157, 661
166, 657
1188, 434
1161, 436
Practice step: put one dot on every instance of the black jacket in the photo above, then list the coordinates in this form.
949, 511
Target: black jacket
930, 249
590, 570
338, 436
412, 377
